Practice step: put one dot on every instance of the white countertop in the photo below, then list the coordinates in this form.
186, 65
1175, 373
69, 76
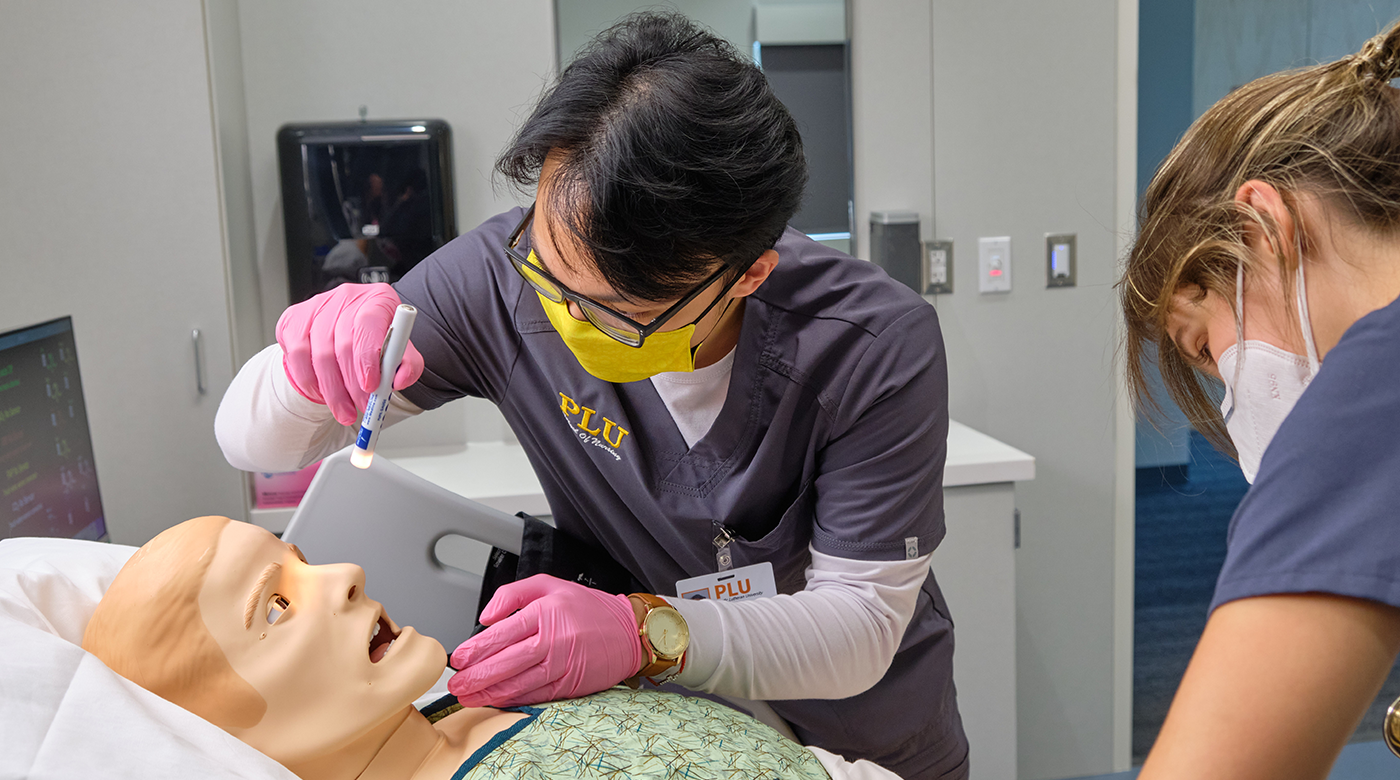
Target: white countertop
974, 458
499, 475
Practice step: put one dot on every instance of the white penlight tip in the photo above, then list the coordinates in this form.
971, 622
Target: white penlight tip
361, 459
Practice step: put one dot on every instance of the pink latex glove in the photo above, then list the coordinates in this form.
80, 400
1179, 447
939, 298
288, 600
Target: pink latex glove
331, 347
566, 640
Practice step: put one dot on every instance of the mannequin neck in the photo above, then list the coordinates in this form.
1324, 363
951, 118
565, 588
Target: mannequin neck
392, 750
411, 748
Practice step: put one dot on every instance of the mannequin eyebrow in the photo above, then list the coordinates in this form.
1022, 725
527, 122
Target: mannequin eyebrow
255, 595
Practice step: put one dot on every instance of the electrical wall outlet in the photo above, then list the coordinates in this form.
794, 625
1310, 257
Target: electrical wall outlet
938, 267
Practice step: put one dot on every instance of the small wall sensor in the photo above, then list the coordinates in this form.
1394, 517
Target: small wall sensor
1059, 259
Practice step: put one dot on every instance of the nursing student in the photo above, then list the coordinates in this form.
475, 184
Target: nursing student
697, 387
1268, 268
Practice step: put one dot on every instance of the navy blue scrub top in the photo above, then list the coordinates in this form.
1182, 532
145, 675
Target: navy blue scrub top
833, 434
1322, 517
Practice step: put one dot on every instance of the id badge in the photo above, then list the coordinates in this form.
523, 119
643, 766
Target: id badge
741, 584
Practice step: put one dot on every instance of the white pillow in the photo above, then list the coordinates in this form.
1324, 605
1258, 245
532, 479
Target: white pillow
64, 714
54, 584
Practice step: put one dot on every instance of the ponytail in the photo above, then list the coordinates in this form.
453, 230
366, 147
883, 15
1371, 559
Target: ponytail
1378, 62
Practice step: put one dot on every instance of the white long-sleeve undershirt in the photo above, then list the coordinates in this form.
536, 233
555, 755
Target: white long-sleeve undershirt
834, 639
264, 424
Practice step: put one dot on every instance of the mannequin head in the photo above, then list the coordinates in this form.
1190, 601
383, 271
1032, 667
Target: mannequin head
229, 622
168, 650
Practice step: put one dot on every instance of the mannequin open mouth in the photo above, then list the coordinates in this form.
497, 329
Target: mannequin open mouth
381, 640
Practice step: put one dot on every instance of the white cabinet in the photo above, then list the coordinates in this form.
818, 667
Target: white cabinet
111, 212
976, 568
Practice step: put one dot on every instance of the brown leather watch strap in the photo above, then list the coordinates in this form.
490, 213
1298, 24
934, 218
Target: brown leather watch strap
653, 664
649, 601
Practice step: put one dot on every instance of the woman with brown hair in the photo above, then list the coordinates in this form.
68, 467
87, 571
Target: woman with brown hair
1268, 263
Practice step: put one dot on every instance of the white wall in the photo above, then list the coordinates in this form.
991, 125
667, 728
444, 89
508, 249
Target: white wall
231, 133
892, 107
109, 205
1002, 118
478, 65
1025, 140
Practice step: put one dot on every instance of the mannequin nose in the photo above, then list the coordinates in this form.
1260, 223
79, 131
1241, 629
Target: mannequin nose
347, 579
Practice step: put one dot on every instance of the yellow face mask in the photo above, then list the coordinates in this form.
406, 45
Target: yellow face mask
612, 361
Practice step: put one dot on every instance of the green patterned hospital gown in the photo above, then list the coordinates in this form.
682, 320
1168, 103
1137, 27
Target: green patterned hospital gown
621, 733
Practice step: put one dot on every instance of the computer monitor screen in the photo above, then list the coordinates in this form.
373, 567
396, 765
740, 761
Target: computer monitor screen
48, 482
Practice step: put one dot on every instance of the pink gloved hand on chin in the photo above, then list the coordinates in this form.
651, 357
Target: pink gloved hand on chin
566, 640
331, 347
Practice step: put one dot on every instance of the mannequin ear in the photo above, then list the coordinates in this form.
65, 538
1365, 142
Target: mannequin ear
755, 276
1268, 202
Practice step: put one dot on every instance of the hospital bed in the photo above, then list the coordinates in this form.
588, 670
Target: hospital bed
64, 714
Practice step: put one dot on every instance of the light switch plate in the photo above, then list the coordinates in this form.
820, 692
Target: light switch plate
994, 264
938, 267
1060, 259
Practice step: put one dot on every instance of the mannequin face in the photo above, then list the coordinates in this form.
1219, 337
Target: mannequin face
305, 638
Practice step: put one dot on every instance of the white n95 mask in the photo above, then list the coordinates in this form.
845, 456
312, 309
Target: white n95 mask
1263, 382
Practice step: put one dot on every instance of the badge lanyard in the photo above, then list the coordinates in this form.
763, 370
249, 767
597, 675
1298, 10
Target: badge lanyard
728, 583
723, 536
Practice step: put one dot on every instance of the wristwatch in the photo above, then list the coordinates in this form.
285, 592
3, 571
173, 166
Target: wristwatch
664, 636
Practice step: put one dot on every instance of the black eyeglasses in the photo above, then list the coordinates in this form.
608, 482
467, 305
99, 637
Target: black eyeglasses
615, 324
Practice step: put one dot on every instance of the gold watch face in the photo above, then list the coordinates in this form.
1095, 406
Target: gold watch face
667, 632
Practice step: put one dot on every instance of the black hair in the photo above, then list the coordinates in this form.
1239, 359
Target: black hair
675, 156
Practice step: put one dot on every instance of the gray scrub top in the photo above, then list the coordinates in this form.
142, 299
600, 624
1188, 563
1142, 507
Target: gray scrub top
1321, 515
833, 434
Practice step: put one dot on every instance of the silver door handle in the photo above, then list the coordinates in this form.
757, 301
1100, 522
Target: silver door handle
198, 339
